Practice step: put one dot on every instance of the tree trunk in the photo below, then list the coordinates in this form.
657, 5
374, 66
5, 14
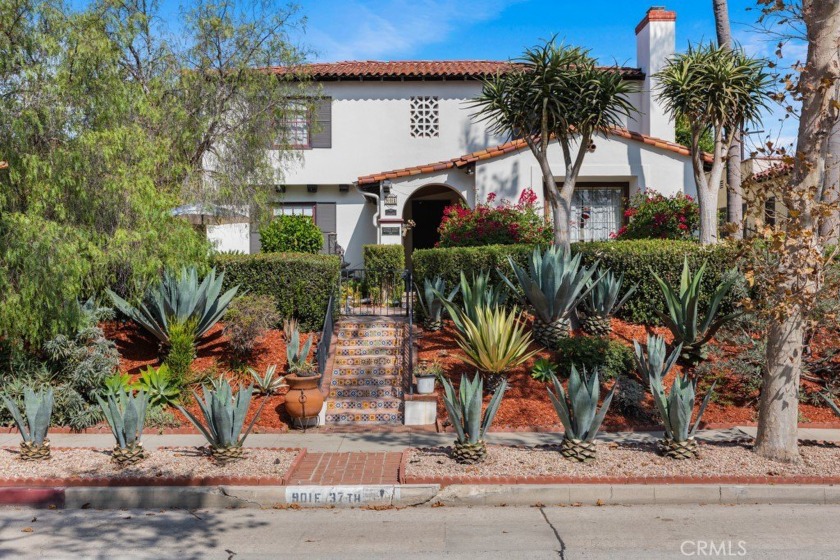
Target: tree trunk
779, 403
563, 216
798, 270
707, 198
734, 190
830, 225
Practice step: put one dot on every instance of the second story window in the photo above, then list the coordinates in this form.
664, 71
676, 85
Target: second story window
424, 117
308, 124
296, 125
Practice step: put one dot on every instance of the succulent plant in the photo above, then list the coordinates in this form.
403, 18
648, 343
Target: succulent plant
544, 370
268, 383
496, 342
116, 383
224, 419
554, 284
578, 412
126, 416
38, 408
603, 301
178, 299
289, 326
464, 409
691, 329
831, 404
159, 385
475, 295
431, 301
298, 356
675, 407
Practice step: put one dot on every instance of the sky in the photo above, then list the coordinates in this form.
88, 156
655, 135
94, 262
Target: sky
500, 29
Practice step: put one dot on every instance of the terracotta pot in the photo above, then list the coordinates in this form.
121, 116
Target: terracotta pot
304, 399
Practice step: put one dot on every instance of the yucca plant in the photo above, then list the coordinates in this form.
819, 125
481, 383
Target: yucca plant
691, 327
268, 383
126, 416
38, 408
224, 417
298, 356
178, 299
476, 294
579, 413
432, 303
464, 409
603, 301
495, 343
675, 407
554, 284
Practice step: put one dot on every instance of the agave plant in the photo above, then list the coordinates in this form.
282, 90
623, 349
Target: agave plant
676, 406
116, 383
126, 416
692, 328
544, 370
298, 356
603, 301
224, 418
496, 342
159, 385
578, 411
554, 284
268, 383
831, 404
464, 409
38, 407
431, 301
475, 295
178, 299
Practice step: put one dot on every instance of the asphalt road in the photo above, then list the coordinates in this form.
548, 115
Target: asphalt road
643, 532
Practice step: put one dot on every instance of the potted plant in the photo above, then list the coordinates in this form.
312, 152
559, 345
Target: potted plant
304, 399
426, 373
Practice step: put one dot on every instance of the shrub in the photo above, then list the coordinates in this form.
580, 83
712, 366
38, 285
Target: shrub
655, 216
630, 397
449, 262
606, 355
181, 349
383, 262
501, 224
247, 319
291, 234
299, 284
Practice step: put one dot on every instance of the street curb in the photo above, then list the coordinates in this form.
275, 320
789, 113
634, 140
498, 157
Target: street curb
412, 495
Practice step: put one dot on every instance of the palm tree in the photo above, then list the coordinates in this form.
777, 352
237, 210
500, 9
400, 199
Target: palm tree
715, 88
560, 93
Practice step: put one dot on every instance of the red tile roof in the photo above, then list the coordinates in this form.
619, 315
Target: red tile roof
514, 146
773, 172
412, 70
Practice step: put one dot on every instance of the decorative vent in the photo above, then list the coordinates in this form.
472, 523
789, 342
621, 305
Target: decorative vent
424, 117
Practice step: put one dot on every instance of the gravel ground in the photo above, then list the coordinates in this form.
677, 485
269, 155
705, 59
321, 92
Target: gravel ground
632, 460
165, 462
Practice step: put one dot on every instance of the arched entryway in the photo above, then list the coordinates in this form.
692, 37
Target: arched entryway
425, 208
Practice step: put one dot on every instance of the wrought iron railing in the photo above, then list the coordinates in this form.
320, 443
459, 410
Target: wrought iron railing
372, 293
323, 349
409, 290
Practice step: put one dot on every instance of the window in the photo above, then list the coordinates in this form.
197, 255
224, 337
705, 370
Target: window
295, 210
596, 211
295, 125
770, 211
424, 117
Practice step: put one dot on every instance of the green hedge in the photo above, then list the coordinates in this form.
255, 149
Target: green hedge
383, 261
286, 234
634, 258
301, 284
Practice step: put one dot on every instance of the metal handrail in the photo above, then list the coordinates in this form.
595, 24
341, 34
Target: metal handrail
323, 349
409, 291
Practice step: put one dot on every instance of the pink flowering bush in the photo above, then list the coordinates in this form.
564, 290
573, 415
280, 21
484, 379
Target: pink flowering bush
496, 224
652, 215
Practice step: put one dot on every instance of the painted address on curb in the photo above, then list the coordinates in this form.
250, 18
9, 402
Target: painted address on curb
347, 495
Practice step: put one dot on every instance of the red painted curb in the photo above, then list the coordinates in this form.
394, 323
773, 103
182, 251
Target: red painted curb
34, 497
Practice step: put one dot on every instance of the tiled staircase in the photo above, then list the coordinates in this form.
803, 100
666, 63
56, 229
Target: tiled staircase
366, 385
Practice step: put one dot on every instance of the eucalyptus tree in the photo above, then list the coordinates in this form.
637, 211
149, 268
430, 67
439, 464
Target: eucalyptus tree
556, 92
715, 88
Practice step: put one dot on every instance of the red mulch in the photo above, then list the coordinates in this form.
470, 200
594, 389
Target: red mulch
526, 403
139, 350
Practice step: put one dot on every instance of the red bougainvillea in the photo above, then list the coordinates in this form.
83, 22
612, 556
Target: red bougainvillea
496, 224
652, 215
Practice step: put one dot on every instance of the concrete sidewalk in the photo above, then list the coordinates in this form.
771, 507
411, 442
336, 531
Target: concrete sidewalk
393, 441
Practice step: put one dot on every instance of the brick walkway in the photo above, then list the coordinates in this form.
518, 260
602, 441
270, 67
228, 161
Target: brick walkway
347, 468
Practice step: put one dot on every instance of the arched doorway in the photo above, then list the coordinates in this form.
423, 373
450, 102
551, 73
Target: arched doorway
425, 208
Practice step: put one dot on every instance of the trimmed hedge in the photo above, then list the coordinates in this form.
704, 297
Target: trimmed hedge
291, 234
383, 261
634, 258
300, 284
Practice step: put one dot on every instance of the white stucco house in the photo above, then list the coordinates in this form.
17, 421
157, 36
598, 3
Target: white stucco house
395, 141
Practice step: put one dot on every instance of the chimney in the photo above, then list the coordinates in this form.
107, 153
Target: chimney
655, 43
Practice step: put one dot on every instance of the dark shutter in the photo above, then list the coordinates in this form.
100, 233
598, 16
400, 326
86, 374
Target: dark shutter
325, 220
322, 133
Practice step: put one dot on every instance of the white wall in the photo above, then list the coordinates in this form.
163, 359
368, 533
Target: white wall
655, 44
230, 237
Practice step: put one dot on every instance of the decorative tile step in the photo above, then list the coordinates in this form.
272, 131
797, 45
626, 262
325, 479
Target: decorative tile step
369, 325
366, 392
391, 381
368, 344
365, 404
350, 333
367, 361
367, 351
367, 371
365, 418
